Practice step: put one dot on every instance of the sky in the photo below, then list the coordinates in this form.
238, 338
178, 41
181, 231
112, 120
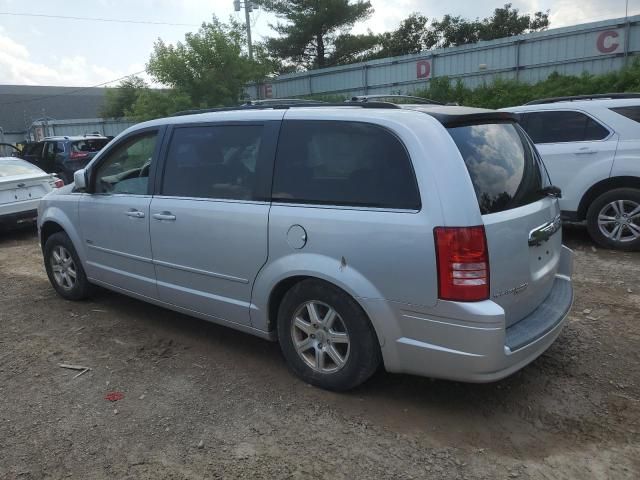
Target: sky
53, 51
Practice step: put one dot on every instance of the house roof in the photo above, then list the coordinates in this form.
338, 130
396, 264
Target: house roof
20, 105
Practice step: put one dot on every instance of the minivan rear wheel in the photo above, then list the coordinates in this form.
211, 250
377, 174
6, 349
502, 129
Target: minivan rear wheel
613, 219
326, 337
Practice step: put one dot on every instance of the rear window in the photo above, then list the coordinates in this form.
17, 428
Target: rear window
89, 145
345, 164
632, 113
11, 168
502, 164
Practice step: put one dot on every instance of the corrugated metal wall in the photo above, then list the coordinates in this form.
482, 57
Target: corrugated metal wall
593, 47
84, 126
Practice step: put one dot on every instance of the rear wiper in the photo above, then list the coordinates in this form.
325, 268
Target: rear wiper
551, 191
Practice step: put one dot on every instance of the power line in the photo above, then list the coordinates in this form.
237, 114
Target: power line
72, 92
97, 19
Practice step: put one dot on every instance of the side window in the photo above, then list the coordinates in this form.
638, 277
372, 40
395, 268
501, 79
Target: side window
217, 161
49, 153
126, 167
35, 150
631, 112
59, 147
562, 126
343, 163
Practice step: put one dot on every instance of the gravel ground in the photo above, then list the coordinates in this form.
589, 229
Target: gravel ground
203, 401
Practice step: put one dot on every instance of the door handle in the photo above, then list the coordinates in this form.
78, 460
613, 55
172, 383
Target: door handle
134, 213
164, 216
585, 151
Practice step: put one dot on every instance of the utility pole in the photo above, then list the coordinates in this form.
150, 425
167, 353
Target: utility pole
248, 8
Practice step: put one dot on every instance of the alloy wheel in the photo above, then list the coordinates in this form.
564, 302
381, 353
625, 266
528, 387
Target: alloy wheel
320, 337
620, 221
63, 268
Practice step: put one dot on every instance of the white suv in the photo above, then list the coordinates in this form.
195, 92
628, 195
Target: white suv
591, 147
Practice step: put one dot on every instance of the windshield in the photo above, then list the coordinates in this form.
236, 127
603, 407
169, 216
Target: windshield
89, 145
12, 168
502, 164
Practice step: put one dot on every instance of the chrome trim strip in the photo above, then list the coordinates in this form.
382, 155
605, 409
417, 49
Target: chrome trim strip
222, 276
120, 254
200, 272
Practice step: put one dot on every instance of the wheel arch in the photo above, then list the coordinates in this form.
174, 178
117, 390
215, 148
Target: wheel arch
55, 220
602, 187
285, 284
48, 228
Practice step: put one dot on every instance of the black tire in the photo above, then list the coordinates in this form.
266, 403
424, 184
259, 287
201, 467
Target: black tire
81, 287
625, 194
363, 355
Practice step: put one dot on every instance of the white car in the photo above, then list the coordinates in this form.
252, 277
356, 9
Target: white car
22, 185
591, 147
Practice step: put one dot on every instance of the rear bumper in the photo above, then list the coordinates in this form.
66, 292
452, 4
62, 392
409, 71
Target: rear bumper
9, 220
468, 341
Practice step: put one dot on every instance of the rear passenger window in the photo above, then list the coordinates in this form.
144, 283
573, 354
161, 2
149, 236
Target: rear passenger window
213, 162
632, 113
562, 126
502, 165
343, 163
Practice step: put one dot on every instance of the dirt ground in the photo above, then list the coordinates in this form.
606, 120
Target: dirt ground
203, 401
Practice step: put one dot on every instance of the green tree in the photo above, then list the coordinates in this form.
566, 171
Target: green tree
153, 103
415, 34
121, 98
453, 31
210, 67
353, 48
412, 36
315, 34
507, 22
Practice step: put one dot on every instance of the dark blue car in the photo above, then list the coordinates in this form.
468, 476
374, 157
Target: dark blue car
64, 155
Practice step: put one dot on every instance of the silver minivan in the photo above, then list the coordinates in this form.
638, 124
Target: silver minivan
425, 239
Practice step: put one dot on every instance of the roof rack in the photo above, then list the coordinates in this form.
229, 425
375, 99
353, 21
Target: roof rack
283, 101
367, 98
279, 106
598, 96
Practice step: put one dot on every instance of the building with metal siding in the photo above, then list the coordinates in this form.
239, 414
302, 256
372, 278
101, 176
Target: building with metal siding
26, 110
596, 48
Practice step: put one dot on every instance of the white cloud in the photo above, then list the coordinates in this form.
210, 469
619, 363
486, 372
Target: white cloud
568, 12
17, 67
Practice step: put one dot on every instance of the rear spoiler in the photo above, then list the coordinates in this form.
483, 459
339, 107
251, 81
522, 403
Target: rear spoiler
450, 121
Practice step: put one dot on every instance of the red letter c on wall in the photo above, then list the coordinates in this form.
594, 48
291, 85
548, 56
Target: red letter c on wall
601, 43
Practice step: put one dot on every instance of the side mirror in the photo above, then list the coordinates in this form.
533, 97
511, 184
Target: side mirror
80, 179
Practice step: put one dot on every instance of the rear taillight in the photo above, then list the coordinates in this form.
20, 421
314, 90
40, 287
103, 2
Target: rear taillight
78, 155
58, 183
463, 263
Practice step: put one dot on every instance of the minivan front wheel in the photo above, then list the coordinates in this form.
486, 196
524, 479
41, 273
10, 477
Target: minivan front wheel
613, 219
64, 269
326, 337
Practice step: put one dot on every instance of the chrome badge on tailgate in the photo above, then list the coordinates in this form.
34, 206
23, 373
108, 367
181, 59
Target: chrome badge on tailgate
542, 233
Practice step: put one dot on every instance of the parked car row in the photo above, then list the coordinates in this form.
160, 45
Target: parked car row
64, 155
22, 185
